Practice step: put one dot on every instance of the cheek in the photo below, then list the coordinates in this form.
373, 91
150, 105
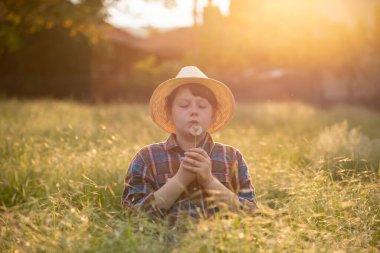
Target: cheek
176, 116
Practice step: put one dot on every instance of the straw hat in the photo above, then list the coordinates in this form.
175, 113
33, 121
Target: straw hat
191, 74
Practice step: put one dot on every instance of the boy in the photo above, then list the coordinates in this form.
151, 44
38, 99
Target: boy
189, 173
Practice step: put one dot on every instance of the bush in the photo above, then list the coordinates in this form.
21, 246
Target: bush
145, 75
346, 152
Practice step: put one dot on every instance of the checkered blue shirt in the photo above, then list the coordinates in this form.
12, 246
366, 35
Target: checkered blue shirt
154, 164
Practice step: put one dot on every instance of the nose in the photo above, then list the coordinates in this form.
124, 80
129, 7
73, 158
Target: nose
193, 110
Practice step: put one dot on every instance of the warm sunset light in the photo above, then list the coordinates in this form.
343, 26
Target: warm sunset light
189, 126
257, 45
139, 13
272, 49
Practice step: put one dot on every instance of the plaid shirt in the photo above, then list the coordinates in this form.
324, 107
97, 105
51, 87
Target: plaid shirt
154, 164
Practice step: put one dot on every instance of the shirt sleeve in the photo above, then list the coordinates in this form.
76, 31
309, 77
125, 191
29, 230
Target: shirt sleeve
139, 192
243, 184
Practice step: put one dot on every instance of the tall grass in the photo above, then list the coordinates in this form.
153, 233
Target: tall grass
63, 165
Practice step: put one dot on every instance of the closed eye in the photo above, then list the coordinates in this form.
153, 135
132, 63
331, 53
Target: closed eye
202, 105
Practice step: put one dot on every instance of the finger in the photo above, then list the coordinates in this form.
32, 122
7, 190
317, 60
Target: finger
190, 168
194, 155
200, 151
192, 162
187, 162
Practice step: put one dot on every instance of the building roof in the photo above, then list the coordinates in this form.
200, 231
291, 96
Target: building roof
172, 43
120, 36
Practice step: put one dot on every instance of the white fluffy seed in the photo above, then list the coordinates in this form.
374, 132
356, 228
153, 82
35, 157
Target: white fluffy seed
195, 130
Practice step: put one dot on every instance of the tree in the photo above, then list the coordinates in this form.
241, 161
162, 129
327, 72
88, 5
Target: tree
22, 18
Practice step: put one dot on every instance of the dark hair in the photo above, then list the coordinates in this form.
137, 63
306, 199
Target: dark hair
196, 89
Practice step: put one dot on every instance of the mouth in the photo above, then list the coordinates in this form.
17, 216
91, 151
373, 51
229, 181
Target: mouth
194, 122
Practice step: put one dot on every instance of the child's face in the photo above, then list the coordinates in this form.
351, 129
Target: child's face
188, 110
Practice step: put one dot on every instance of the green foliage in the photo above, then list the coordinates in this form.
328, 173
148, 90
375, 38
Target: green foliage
63, 166
53, 64
19, 19
146, 74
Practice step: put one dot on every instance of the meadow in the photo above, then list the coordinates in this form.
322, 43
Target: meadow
62, 163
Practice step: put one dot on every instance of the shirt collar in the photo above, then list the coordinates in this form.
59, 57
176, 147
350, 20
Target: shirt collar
207, 143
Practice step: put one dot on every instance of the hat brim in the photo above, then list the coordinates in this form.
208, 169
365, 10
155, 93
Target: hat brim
223, 95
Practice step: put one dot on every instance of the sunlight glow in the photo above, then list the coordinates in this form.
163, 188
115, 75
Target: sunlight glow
137, 13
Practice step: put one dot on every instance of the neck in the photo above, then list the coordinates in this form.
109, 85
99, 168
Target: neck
188, 141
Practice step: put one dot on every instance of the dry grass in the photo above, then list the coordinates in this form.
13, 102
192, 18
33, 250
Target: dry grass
63, 165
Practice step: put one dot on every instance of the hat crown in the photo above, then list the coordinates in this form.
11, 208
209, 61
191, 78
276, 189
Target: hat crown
191, 74
190, 71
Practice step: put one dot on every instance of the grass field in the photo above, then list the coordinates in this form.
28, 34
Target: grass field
63, 164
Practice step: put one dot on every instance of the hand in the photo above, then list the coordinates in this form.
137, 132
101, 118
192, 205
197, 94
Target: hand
196, 160
185, 177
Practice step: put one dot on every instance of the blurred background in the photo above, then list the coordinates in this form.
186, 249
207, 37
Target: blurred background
103, 51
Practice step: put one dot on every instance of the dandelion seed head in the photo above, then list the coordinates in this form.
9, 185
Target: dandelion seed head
195, 130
